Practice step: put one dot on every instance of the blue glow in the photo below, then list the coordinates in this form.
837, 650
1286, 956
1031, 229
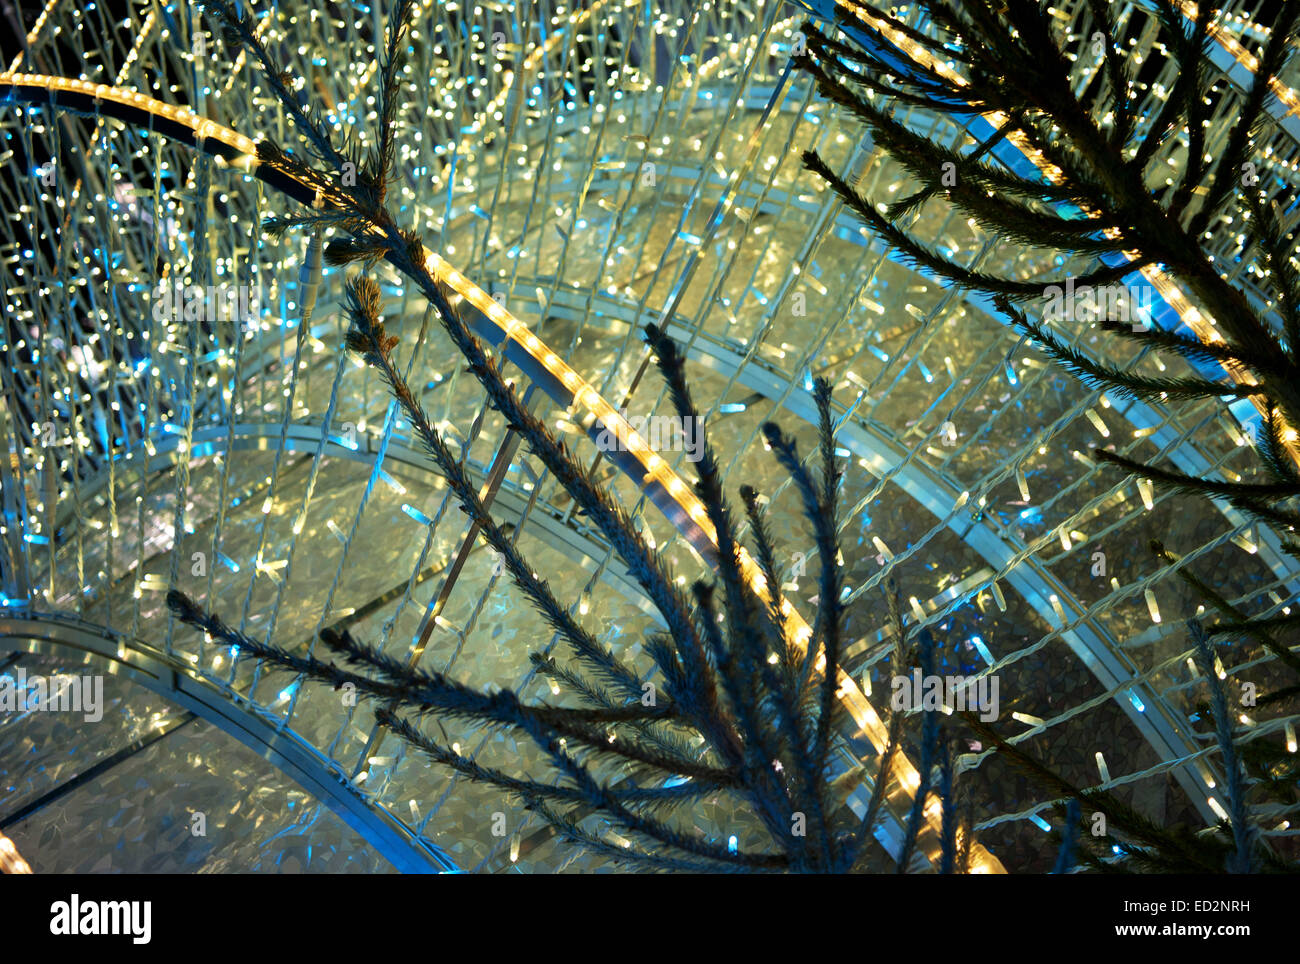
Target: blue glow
416, 514
978, 643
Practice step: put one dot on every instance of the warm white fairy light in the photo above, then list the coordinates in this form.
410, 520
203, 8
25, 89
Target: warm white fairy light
656, 471
1164, 284
11, 861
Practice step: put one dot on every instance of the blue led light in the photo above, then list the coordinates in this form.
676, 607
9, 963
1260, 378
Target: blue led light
416, 514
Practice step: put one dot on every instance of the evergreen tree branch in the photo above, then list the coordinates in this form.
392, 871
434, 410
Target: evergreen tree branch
920, 256
1227, 609
1253, 491
1249, 117
929, 743
1242, 832
532, 789
1122, 383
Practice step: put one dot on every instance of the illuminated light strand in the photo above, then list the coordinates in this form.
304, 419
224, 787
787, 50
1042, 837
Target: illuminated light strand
656, 470
34, 34
1245, 58
1168, 288
993, 583
199, 126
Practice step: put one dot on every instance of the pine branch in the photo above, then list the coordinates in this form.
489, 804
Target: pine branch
745, 657
1253, 491
770, 798
765, 553
242, 29
1069, 839
1278, 252
390, 67
1249, 117
893, 739
830, 606
948, 826
918, 255
1116, 74
571, 830
1273, 451
1194, 109
577, 684
1181, 854
929, 744
1242, 833
1226, 608
368, 337
1192, 349
1276, 622
532, 789
973, 182
602, 799
1119, 381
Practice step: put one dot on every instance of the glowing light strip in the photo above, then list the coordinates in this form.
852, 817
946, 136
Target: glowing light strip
654, 468
1174, 295
1168, 288
576, 20
34, 34
201, 126
1283, 93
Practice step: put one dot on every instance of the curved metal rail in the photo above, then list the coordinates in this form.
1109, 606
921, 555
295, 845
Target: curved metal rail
488, 320
174, 679
493, 323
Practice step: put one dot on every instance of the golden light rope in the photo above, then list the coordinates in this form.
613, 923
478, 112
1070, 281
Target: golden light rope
1169, 290
654, 469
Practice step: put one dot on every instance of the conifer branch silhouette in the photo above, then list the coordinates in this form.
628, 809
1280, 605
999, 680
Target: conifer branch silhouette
1014, 60
731, 686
